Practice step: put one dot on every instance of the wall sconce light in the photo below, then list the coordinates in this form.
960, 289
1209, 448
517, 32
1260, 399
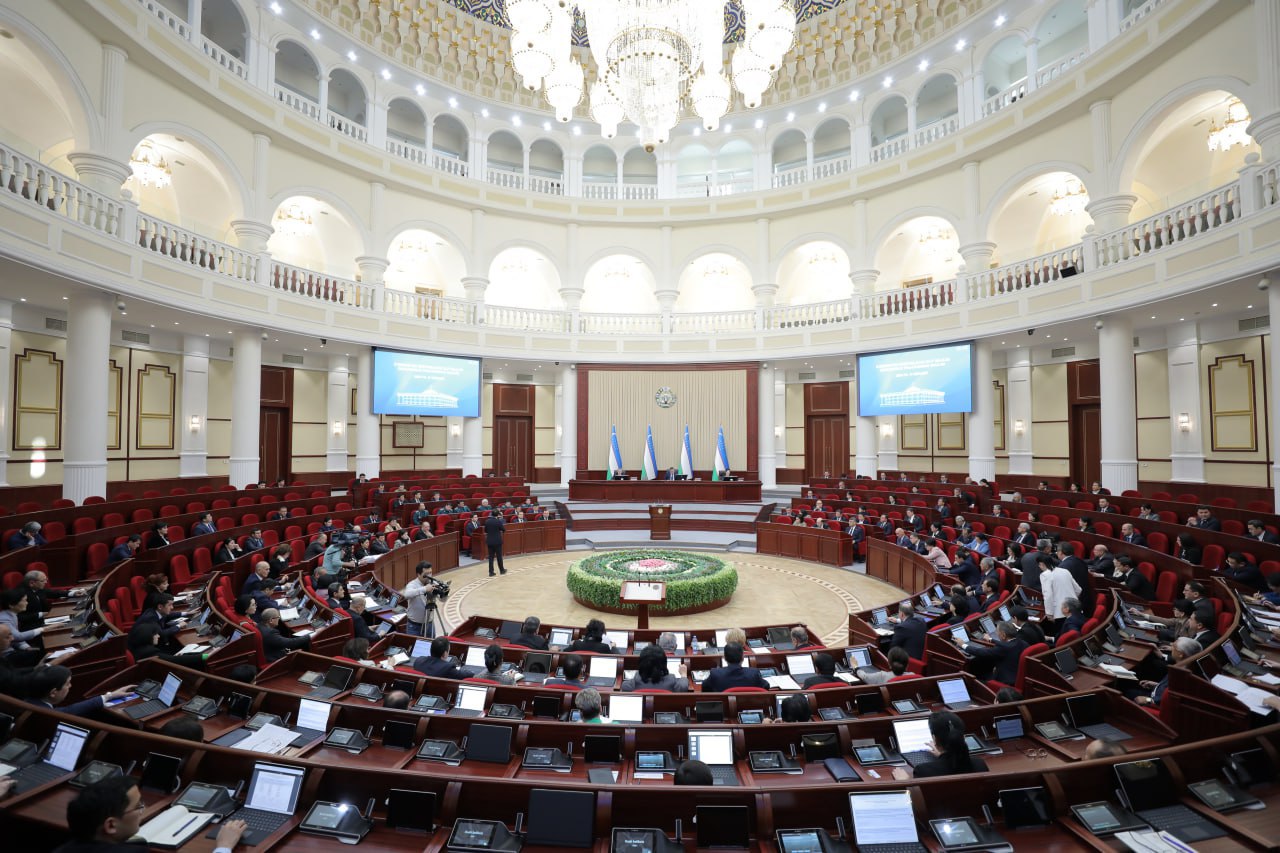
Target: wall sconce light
1019, 427
1184, 422
559, 430
337, 428
455, 430
195, 423
777, 432
886, 430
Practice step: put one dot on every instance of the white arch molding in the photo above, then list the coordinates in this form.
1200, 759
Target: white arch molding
225, 165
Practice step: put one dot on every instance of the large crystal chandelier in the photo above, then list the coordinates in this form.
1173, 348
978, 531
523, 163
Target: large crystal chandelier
292, 220
149, 167
1069, 200
654, 58
1232, 132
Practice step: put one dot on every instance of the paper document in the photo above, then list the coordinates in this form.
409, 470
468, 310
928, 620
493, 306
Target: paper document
173, 826
271, 739
1253, 698
57, 620
782, 682
1150, 841
1117, 671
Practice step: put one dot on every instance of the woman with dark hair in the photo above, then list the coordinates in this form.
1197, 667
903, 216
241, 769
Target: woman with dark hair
493, 667
652, 673
228, 552
357, 648
246, 606
959, 610
795, 709
592, 640
27, 648
1013, 554
281, 556
949, 747
1188, 550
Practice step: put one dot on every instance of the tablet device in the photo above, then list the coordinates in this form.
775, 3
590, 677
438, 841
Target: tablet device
546, 707
957, 833
1220, 796
723, 826
1251, 767
651, 761
602, 749
160, 773
1053, 730
751, 718
668, 718
871, 702
1008, 728
488, 743
800, 841
634, 841
1103, 819
1025, 807
561, 818
397, 734
472, 835
539, 756
873, 754
907, 706
435, 748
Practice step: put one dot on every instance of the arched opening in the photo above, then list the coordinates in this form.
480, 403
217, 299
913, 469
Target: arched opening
920, 251
715, 283
179, 183
1004, 73
735, 167
346, 104
546, 167
37, 120
831, 140
936, 102
297, 71
693, 172
314, 235
1062, 33
506, 158
222, 23
619, 284
524, 278
814, 272
599, 169
639, 169
789, 152
406, 122
1174, 164
1043, 214
889, 120
425, 263
449, 139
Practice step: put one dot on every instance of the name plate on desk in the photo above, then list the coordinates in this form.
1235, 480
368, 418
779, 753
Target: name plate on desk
643, 591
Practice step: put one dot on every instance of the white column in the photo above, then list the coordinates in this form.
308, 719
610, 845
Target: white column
193, 457
887, 442
194, 13
85, 400
339, 397
6, 366
982, 429
453, 444
472, 450
1096, 12
1119, 410
866, 437
765, 427
1018, 400
1265, 105
1273, 393
1033, 63
368, 428
246, 407
568, 424
1186, 441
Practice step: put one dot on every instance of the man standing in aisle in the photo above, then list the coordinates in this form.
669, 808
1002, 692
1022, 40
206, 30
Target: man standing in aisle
493, 527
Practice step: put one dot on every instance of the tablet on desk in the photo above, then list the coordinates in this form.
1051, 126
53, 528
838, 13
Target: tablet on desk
1103, 819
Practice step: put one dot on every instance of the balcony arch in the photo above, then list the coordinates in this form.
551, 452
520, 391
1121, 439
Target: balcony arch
1004, 72
407, 122
816, 270
890, 127
832, 138
921, 245
639, 170
1019, 219
297, 71
599, 169
207, 192
789, 151
346, 104
504, 164
693, 171
546, 167
1062, 32
225, 24
450, 143
619, 281
523, 275
316, 230
425, 259
734, 167
1165, 143
717, 280
937, 106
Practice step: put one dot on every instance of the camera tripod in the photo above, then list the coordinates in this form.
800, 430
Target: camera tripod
432, 619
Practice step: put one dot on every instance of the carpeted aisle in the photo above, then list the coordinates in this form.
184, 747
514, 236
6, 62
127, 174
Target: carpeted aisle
771, 591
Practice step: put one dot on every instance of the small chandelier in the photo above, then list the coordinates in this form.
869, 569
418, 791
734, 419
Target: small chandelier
292, 221
1232, 132
413, 250
824, 258
1069, 201
932, 239
149, 167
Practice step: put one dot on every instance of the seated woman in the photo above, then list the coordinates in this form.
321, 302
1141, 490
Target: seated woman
357, 649
493, 667
948, 745
157, 585
898, 660
28, 647
652, 673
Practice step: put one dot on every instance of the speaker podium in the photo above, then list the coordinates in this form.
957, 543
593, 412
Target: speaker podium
660, 521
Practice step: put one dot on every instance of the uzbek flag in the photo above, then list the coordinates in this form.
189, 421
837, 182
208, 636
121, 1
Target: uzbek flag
615, 455
721, 464
650, 471
686, 455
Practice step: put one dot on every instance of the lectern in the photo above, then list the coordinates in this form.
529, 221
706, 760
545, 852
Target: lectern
642, 594
660, 521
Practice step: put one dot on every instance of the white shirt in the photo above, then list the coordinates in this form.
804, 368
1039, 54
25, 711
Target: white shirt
416, 603
1057, 586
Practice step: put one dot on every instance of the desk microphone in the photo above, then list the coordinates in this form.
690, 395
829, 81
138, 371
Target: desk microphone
519, 824
680, 831
840, 827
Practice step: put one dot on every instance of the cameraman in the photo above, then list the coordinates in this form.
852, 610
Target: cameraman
420, 595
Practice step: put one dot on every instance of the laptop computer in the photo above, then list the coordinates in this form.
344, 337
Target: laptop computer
59, 759
273, 796
800, 666
914, 740
1008, 728
858, 657
313, 721
421, 649
336, 681
473, 664
162, 702
561, 819
602, 671
955, 694
1237, 662
714, 748
960, 634
1149, 791
561, 637
618, 639
1065, 661
509, 629
885, 822
723, 827
624, 708
779, 638
469, 701
1086, 716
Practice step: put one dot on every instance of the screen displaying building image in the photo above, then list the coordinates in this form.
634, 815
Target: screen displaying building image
931, 380
414, 383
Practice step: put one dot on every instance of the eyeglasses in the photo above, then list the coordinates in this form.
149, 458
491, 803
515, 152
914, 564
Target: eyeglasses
140, 807
1036, 753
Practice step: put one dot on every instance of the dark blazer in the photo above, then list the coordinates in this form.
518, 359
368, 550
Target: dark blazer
38, 601
1248, 574
437, 667
1191, 555
156, 539
203, 529
939, 767
585, 645
1004, 655
1210, 523
1206, 638
1135, 539
1138, 585
1074, 622
19, 540
1031, 633
562, 682
1030, 570
252, 585
1027, 540
120, 553
278, 567
969, 572
493, 527
909, 634
818, 679
1268, 537
362, 629
531, 641
276, 645
724, 677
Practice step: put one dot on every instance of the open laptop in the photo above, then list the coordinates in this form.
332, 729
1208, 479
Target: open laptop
469, 701
955, 694
714, 748
473, 664
800, 666
1151, 794
618, 639
312, 723
336, 681
1086, 715
885, 822
914, 740
602, 671
779, 638
858, 657
561, 637
626, 708
273, 796
60, 758
162, 702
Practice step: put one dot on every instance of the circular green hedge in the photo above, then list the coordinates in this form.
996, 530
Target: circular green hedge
695, 582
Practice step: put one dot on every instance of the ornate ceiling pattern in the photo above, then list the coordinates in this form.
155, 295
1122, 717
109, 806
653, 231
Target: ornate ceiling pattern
464, 44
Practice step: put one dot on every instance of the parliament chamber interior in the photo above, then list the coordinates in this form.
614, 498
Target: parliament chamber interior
639, 425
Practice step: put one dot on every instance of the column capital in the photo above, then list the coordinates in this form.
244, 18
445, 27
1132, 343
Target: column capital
372, 268
765, 293
864, 281
1265, 130
666, 299
474, 286
572, 297
977, 256
251, 234
1111, 212
102, 173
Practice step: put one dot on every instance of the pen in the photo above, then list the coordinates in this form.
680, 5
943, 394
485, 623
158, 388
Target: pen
184, 826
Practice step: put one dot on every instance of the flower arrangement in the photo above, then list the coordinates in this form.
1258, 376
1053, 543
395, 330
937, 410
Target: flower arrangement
695, 582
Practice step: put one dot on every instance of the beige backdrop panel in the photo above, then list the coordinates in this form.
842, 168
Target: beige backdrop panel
705, 401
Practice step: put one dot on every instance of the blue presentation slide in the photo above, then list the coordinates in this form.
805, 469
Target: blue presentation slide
918, 381
416, 383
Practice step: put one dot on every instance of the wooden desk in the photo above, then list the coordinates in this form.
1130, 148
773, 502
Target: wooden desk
665, 491
831, 547
531, 537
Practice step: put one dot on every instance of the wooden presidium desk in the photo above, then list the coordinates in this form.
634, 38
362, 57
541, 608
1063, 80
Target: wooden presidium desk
642, 594
665, 491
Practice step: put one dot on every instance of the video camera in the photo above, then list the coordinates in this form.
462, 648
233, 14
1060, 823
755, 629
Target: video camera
438, 589
345, 539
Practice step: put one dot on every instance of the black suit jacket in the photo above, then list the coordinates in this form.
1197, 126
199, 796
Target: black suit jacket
1137, 584
493, 527
1031, 633
724, 677
1135, 539
909, 634
437, 667
276, 645
1004, 654
1206, 638
531, 641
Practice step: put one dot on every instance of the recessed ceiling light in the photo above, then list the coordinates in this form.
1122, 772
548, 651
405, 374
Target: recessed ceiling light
1064, 339
577, 131
65, 298
22, 299
351, 54
1000, 21
206, 334
485, 112
1153, 316
822, 107
961, 44
697, 131
122, 313
315, 34
924, 65
1247, 306
1182, 319
516, 120
888, 81
1002, 343
277, 8
386, 74
1214, 305
420, 89
175, 322
546, 125
453, 102
759, 123
304, 349
153, 325
853, 96
728, 128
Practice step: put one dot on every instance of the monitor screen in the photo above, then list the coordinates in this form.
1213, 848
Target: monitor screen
475, 656
932, 380
953, 691
64, 748
339, 677
711, 747
471, 698
913, 735
1085, 710
626, 709
859, 658
417, 383
274, 788
960, 634
1008, 728
421, 649
723, 826
561, 636
169, 691
313, 715
489, 743
617, 639
800, 664
1148, 783
398, 734
602, 667
885, 817
561, 818
1025, 806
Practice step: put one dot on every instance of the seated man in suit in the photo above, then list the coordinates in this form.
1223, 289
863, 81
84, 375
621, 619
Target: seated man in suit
909, 632
734, 674
529, 636
204, 526
1240, 570
1200, 625
1153, 691
436, 664
253, 583
357, 607
1030, 632
1133, 580
1258, 531
125, 550
592, 640
824, 672
276, 643
1101, 563
800, 639
572, 666
1131, 536
26, 537
966, 569
1205, 520
1072, 616
999, 660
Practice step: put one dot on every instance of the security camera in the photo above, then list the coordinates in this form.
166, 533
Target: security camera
1031, 331
120, 306
265, 336
324, 342
1098, 325
557, 364
1264, 283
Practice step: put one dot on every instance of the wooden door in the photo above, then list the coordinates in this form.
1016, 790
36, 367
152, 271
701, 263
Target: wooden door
273, 444
826, 428
1086, 444
513, 445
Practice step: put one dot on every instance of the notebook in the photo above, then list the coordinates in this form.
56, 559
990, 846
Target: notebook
885, 817
626, 709
714, 748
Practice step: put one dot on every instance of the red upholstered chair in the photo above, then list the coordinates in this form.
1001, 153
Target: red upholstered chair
1130, 493
195, 506
169, 511
12, 579
1089, 626
204, 490
916, 665
1168, 516
92, 499
250, 518
1087, 506
1157, 541
1259, 506
313, 528
112, 519
1066, 637
1104, 529
54, 530
220, 503
1148, 571
1188, 498
1233, 527
906, 676
1224, 623
1021, 682
95, 558
1161, 496
62, 503
179, 570
83, 525
176, 491
1051, 520
245, 500
747, 690
1059, 502
202, 561
1212, 557
293, 531
1227, 503
1166, 586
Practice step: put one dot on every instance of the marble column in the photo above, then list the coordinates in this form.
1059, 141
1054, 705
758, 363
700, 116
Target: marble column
472, 446
368, 426
1018, 399
246, 408
194, 424
765, 426
6, 378
1119, 409
568, 424
887, 442
339, 403
84, 467
1186, 441
866, 437
982, 453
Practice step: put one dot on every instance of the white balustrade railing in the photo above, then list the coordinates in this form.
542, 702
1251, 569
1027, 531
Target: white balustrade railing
732, 186
791, 177
298, 103
1268, 181
165, 238
526, 319
934, 131
909, 300
423, 306
892, 148
1022, 275
348, 127
224, 60
600, 191
1053, 71
319, 286
1133, 18
504, 178
620, 324
813, 314
999, 101
408, 151
157, 10
639, 192
706, 324
41, 185
1176, 225
831, 167
449, 164
548, 186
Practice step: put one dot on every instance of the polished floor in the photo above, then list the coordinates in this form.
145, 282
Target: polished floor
771, 591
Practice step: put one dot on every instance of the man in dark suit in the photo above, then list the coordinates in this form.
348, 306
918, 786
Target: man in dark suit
1240, 570
253, 583
999, 660
824, 672
359, 624
572, 680
1181, 649
435, 664
1026, 538
29, 535
1133, 580
965, 568
1102, 563
1068, 560
1130, 535
275, 642
734, 674
470, 530
35, 585
1030, 564
1104, 505
909, 632
1205, 520
493, 535
1200, 625
1257, 530
1030, 632
204, 526
125, 550
1072, 616
529, 636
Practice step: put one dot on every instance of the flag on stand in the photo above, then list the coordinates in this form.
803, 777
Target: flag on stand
650, 471
615, 455
721, 464
686, 455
